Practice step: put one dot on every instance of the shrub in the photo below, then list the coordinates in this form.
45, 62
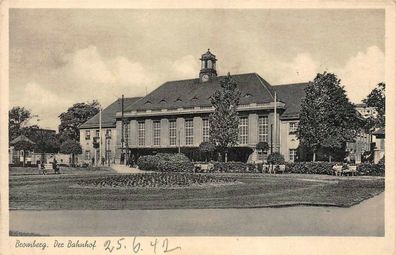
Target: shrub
371, 169
173, 157
233, 167
175, 166
326, 168
148, 162
263, 146
382, 161
310, 167
165, 162
276, 158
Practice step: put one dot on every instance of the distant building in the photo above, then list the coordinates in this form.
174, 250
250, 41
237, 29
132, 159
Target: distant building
90, 130
16, 157
366, 111
379, 150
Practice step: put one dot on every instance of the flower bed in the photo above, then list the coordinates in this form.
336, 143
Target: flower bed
155, 180
233, 167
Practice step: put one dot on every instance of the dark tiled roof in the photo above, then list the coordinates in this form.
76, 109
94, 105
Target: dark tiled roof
109, 114
291, 95
192, 92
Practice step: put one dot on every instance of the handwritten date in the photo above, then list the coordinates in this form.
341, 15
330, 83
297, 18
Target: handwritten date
157, 246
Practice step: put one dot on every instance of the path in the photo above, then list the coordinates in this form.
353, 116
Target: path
365, 219
123, 169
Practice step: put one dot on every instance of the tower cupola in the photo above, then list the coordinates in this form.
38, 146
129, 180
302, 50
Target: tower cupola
208, 66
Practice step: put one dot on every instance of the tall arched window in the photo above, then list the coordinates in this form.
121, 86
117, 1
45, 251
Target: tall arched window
209, 63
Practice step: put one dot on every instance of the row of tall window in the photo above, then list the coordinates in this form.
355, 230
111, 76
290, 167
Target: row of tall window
88, 133
189, 131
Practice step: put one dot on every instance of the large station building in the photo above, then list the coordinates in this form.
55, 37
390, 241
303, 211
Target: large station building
175, 116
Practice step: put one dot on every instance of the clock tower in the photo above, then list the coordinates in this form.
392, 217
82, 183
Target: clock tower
208, 66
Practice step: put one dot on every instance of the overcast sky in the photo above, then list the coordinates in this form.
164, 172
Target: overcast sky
61, 57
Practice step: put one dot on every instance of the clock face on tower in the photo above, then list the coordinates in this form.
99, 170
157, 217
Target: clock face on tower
205, 77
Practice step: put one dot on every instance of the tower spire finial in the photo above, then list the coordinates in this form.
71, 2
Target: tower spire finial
208, 66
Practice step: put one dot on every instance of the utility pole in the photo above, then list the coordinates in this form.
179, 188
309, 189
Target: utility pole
100, 135
275, 126
178, 134
122, 130
272, 143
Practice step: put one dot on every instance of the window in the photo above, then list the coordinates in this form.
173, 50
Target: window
292, 154
97, 133
205, 130
126, 132
243, 130
189, 132
108, 133
141, 133
172, 132
209, 63
157, 132
87, 134
263, 128
87, 154
293, 127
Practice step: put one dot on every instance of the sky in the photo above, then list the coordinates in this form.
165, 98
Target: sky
59, 57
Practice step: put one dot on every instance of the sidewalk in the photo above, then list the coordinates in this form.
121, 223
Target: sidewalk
365, 219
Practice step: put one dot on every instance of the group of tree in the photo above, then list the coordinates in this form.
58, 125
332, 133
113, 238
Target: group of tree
328, 120
70, 121
76, 115
43, 141
376, 99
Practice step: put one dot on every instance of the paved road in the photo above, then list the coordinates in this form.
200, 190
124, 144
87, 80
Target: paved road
365, 219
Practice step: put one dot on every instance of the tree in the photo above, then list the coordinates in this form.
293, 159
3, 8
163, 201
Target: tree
262, 146
224, 121
276, 158
46, 140
207, 148
327, 119
71, 147
17, 119
74, 117
376, 99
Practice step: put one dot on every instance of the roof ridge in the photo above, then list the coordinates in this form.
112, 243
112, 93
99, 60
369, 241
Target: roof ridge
262, 83
147, 94
291, 84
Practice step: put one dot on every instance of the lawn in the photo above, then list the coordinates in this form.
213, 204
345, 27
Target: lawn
60, 192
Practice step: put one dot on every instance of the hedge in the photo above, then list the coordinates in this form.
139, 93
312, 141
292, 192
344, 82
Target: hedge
326, 168
233, 167
371, 169
165, 162
175, 166
310, 168
148, 162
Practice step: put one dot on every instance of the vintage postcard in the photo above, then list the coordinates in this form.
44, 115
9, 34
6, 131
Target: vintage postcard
197, 128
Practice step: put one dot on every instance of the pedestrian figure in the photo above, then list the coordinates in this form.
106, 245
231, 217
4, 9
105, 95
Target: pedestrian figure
55, 166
